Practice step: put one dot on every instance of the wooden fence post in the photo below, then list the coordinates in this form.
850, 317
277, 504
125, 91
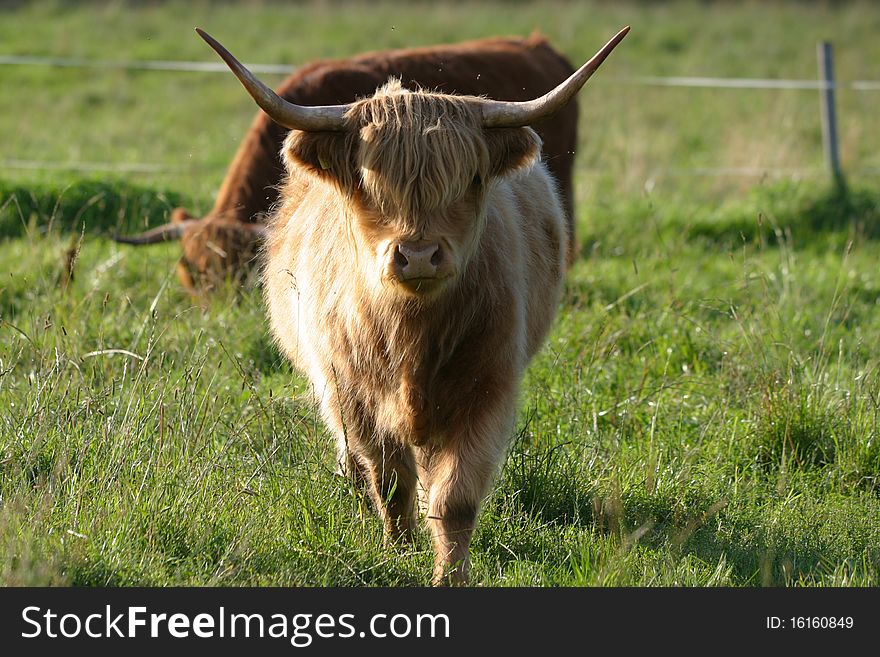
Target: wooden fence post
829, 114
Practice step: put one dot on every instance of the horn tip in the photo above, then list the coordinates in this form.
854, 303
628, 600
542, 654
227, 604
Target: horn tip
205, 36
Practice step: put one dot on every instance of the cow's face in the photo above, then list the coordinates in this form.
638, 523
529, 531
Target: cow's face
419, 253
214, 250
416, 170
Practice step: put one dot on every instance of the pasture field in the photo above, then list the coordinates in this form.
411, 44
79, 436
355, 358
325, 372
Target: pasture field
706, 411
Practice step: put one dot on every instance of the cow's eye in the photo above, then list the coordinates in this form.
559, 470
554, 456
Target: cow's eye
477, 181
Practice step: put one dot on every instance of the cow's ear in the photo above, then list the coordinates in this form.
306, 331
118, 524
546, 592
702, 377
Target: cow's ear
323, 154
181, 215
511, 149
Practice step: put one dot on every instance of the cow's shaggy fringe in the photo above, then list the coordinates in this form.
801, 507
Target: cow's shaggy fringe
423, 149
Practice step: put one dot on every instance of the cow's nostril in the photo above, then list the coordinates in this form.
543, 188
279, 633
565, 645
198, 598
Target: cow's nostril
417, 260
399, 258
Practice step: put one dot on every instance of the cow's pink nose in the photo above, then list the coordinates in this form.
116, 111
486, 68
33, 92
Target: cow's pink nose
418, 260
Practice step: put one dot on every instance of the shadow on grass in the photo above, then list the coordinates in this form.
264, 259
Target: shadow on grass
773, 213
265, 357
95, 207
97, 572
761, 548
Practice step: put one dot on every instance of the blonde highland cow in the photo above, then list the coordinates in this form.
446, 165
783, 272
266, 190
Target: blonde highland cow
413, 268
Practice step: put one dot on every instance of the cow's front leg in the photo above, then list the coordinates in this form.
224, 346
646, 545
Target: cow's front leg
390, 471
386, 467
459, 473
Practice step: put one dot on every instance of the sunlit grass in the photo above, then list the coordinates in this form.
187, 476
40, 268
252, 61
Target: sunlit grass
705, 412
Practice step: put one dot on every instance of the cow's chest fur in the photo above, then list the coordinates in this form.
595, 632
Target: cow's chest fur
408, 377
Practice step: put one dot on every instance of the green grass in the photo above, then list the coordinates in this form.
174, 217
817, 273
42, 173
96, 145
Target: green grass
705, 411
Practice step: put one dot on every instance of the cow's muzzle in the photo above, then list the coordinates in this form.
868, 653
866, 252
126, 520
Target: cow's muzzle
418, 266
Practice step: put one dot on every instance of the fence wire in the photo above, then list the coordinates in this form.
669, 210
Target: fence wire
284, 69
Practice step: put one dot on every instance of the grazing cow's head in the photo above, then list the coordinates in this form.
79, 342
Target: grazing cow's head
212, 247
414, 168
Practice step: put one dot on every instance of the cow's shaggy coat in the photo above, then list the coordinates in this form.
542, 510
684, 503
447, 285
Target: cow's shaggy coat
417, 386
413, 269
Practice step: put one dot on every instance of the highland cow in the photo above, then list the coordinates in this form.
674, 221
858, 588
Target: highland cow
225, 242
413, 268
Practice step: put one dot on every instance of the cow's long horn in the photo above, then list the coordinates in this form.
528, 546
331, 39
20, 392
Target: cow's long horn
163, 233
501, 114
296, 117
